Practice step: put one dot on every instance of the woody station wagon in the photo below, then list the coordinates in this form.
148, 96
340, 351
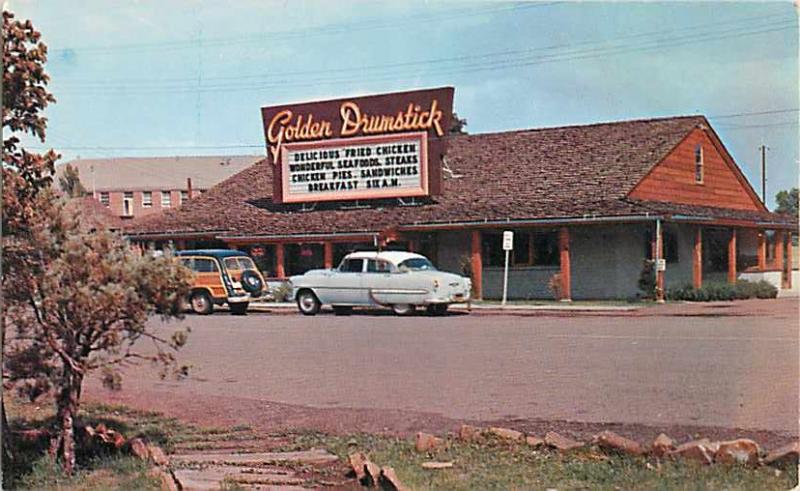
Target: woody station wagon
222, 276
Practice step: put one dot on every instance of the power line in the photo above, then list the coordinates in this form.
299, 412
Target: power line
361, 25
479, 66
750, 22
263, 145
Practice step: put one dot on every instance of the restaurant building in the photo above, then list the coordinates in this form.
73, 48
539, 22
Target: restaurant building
589, 204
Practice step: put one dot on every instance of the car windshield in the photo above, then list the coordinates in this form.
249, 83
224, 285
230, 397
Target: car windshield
416, 264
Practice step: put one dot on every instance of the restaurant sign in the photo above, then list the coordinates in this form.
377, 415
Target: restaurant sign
382, 146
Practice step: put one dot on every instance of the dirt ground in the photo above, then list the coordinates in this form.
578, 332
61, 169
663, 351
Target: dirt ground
720, 370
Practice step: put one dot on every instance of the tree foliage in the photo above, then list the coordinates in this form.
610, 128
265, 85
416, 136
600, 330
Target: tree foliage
788, 201
25, 96
70, 182
458, 125
74, 302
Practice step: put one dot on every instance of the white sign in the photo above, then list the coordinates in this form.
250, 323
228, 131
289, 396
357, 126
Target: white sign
661, 264
508, 240
355, 168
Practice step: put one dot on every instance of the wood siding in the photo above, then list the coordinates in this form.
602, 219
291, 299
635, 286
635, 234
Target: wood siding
673, 179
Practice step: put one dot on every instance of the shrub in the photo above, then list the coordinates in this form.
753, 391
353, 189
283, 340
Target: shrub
712, 291
647, 278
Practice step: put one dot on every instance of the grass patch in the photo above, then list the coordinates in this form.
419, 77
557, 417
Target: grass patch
97, 468
503, 466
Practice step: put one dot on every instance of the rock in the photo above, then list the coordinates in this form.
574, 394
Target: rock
700, 450
357, 461
742, 451
609, 440
560, 442
390, 481
165, 479
138, 448
534, 441
157, 456
470, 434
785, 455
507, 434
427, 442
437, 465
662, 445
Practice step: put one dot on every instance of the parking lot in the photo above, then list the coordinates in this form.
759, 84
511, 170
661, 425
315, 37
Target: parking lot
728, 365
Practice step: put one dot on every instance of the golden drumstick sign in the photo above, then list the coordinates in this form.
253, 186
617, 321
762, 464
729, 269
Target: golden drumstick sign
344, 171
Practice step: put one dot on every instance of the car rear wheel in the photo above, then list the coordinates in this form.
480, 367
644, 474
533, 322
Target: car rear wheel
201, 303
308, 303
342, 310
437, 309
239, 308
403, 309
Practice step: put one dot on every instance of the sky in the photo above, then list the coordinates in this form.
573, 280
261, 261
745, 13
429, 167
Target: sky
188, 77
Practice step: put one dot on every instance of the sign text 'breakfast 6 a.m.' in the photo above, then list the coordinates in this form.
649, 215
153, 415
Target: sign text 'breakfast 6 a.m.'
381, 146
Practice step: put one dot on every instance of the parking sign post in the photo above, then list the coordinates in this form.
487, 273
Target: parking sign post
508, 246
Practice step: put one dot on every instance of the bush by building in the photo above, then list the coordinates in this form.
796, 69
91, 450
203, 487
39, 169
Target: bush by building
712, 291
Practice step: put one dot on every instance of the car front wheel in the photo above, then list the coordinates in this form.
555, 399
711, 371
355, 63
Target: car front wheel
403, 309
308, 303
201, 303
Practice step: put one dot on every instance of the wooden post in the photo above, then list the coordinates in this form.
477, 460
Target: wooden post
328, 254
732, 257
181, 245
762, 250
476, 266
659, 253
788, 281
697, 259
779, 253
280, 272
188, 188
563, 249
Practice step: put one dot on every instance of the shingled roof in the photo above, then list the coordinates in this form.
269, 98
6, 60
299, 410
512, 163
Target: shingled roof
561, 172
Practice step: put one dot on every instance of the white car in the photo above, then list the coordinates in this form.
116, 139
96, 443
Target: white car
402, 281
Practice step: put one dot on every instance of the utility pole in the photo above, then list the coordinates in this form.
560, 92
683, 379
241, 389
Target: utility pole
763, 173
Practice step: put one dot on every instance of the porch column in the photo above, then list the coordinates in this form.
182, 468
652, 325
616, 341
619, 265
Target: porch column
732, 257
762, 250
563, 250
476, 266
328, 254
779, 252
280, 272
697, 259
659, 253
788, 282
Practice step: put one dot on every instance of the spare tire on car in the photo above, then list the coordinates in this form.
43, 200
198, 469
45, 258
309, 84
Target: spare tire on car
251, 282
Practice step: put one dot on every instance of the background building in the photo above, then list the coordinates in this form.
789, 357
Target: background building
588, 204
135, 187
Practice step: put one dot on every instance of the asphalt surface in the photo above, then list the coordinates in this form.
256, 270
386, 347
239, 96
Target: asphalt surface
728, 365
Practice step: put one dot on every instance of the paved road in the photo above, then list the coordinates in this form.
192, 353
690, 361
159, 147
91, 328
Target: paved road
716, 365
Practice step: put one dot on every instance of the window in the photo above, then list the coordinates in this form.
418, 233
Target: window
147, 199
698, 164
166, 199
539, 248
204, 265
184, 197
104, 199
374, 266
670, 245
127, 204
522, 249
352, 266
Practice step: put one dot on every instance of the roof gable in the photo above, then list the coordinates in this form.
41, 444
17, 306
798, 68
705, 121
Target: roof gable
723, 185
